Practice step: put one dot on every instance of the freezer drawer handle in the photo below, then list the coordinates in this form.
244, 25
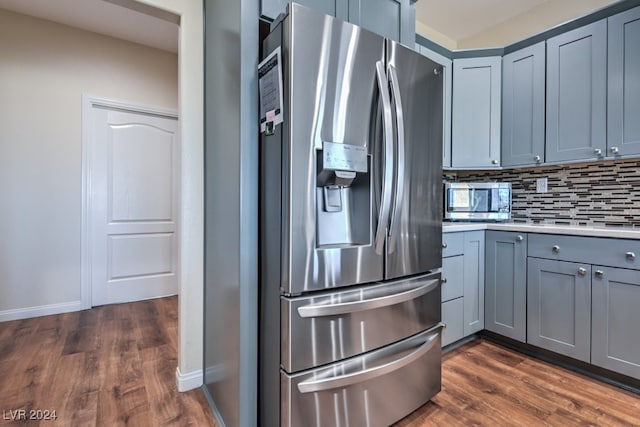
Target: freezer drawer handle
368, 304
369, 374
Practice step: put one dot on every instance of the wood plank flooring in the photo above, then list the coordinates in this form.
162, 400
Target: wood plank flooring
108, 366
115, 366
484, 384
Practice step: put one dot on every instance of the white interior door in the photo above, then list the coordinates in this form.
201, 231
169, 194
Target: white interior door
134, 188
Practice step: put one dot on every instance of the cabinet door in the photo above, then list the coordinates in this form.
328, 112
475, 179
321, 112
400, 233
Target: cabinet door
615, 337
506, 284
447, 70
452, 317
576, 94
338, 8
393, 19
523, 97
475, 134
559, 307
452, 277
473, 282
623, 126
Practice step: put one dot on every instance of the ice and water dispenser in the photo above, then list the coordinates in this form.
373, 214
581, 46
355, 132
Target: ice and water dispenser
343, 195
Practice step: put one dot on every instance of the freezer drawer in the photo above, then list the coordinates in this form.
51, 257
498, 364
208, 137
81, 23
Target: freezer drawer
333, 326
375, 389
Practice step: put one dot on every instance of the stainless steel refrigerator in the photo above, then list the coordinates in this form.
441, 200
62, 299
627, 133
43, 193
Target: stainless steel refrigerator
350, 228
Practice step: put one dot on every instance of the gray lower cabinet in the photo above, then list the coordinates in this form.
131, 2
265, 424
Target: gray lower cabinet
473, 282
506, 284
615, 336
452, 318
577, 93
623, 126
476, 115
523, 106
394, 19
559, 307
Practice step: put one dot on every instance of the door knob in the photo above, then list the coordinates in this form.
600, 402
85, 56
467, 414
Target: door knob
536, 158
614, 150
519, 238
598, 152
599, 273
555, 248
582, 271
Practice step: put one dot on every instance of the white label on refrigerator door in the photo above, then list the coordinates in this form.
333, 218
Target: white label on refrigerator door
270, 86
344, 157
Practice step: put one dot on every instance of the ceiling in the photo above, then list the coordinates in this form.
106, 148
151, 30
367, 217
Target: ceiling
106, 17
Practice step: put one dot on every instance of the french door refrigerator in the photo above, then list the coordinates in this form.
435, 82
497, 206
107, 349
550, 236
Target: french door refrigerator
350, 228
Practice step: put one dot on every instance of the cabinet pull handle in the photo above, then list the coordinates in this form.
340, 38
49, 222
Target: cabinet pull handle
614, 150
519, 238
598, 152
630, 255
599, 273
555, 248
536, 158
582, 271
444, 280
494, 162
444, 245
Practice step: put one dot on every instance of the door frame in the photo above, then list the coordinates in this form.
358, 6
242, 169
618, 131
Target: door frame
88, 104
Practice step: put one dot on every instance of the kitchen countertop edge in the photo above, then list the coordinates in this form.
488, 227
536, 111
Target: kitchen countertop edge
572, 230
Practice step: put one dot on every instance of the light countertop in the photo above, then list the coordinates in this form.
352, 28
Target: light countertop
573, 230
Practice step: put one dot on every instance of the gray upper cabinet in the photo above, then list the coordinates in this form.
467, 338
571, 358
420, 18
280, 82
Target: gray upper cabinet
394, 19
475, 135
623, 124
473, 282
447, 70
338, 8
523, 99
559, 307
506, 284
615, 336
576, 94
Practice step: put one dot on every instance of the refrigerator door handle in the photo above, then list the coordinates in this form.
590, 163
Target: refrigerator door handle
321, 310
371, 373
387, 174
399, 191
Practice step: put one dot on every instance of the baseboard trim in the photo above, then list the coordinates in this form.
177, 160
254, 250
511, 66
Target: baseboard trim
189, 381
40, 310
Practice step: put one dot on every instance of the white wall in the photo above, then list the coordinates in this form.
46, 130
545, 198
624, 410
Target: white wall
44, 70
191, 282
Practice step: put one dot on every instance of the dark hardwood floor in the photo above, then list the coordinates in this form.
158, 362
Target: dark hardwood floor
115, 366
108, 366
484, 384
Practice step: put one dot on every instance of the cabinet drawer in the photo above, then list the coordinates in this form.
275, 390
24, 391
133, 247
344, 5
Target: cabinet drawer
452, 277
589, 250
452, 244
453, 318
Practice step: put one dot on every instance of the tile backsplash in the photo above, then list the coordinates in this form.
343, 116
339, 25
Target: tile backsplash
603, 193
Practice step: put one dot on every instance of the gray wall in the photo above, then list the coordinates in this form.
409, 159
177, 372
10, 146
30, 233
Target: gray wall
603, 193
231, 206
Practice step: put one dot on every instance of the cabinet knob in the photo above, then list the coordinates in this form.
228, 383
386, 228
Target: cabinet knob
519, 238
494, 162
444, 244
444, 325
630, 255
599, 273
614, 150
536, 158
598, 152
443, 280
582, 271
555, 248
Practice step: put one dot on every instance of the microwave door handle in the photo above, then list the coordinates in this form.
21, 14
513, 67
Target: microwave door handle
387, 172
400, 173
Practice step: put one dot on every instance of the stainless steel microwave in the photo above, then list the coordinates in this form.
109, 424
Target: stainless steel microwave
477, 201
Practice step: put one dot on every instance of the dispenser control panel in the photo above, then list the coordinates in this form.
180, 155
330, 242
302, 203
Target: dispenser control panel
344, 157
